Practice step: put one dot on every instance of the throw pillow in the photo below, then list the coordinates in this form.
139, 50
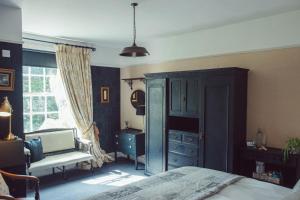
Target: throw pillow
297, 186
36, 149
3, 187
293, 195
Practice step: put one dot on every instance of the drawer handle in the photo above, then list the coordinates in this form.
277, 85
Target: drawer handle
130, 147
175, 160
129, 139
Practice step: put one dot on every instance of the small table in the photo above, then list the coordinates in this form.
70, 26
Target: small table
130, 142
273, 159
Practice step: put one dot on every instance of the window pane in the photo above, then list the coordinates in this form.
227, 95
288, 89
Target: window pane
51, 71
25, 84
26, 104
48, 89
51, 104
53, 116
25, 70
37, 70
26, 123
38, 104
37, 84
37, 121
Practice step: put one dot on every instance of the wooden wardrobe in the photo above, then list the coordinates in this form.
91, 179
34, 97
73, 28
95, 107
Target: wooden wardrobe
195, 118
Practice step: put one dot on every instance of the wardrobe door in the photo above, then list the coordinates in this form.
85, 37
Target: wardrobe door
215, 101
176, 96
155, 126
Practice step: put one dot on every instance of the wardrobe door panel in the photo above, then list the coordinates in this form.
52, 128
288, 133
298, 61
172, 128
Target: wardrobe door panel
176, 93
155, 126
216, 118
192, 97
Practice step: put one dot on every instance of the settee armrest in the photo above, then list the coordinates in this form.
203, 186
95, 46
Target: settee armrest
84, 144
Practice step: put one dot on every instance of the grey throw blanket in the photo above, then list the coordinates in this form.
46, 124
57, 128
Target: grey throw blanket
189, 183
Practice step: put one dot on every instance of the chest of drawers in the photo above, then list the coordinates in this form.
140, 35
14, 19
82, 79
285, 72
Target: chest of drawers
130, 142
183, 149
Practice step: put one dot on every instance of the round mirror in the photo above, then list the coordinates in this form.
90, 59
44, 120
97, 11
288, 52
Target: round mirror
137, 98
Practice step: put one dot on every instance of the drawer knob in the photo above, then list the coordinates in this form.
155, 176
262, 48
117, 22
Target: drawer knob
130, 147
116, 136
117, 142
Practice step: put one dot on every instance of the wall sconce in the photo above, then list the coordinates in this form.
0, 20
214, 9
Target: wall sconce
6, 111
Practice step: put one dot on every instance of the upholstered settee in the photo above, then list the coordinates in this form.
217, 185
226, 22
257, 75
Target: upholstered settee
60, 148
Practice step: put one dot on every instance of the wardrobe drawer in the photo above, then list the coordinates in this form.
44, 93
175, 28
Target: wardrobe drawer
190, 138
180, 160
175, 135
188, 150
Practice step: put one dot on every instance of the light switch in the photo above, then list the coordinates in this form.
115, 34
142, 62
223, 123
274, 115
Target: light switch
5, 53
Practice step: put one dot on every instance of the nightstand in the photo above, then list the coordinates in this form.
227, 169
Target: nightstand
130, 142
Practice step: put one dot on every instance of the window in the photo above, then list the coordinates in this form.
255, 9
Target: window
44, 101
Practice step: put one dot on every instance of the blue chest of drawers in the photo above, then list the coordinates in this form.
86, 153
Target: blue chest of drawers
130, 142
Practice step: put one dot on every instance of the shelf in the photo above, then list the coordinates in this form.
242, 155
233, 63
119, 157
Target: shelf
130, 81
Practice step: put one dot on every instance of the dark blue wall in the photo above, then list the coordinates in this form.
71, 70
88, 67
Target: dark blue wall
107, 116
15, 97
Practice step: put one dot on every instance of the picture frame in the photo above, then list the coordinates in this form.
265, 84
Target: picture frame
7, 79
104, 94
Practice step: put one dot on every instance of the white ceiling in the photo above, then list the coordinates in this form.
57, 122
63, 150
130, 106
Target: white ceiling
110, 21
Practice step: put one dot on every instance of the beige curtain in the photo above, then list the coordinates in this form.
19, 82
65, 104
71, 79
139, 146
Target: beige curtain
75, 70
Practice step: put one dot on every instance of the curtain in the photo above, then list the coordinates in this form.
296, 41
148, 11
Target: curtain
75, 71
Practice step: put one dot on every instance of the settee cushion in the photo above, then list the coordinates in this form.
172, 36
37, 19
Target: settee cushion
36, 149
54, 141
60, 160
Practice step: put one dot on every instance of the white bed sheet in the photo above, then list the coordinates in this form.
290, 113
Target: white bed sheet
250, 189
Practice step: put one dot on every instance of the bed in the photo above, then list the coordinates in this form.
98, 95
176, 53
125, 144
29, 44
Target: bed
193, 183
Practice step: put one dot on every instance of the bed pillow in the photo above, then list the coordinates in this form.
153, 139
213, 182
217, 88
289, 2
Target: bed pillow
3, 187
293, 195
297, 186
36, 149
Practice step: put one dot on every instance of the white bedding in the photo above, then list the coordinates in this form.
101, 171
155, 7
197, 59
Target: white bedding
195, 183
250, 189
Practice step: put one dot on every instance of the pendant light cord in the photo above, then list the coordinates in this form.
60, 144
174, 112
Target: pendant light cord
134, 26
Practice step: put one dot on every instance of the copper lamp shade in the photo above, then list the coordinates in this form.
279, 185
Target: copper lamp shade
134, 50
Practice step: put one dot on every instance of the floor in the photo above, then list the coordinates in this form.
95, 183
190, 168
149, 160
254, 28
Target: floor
82, 183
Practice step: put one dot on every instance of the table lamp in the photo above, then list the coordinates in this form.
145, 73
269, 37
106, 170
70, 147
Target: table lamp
5, 111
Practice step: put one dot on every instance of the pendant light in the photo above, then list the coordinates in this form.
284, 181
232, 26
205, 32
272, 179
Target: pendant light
134, 50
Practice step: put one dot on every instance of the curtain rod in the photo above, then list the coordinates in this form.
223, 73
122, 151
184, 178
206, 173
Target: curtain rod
37, 40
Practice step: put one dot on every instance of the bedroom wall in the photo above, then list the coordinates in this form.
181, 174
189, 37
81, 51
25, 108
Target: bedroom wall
106, 115
11, 24
273, 89
10, 39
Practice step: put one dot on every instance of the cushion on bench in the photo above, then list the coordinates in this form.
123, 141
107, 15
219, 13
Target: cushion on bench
60, 160
55, 140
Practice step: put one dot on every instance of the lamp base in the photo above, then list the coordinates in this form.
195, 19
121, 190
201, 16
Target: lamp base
10, 136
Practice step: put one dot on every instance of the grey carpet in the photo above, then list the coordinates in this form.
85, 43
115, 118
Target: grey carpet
82, 183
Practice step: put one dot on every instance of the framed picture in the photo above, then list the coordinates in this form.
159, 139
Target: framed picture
7, 79
104, 94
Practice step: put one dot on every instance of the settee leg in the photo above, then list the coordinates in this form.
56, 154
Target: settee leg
53, 170
64, 172
92, 167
